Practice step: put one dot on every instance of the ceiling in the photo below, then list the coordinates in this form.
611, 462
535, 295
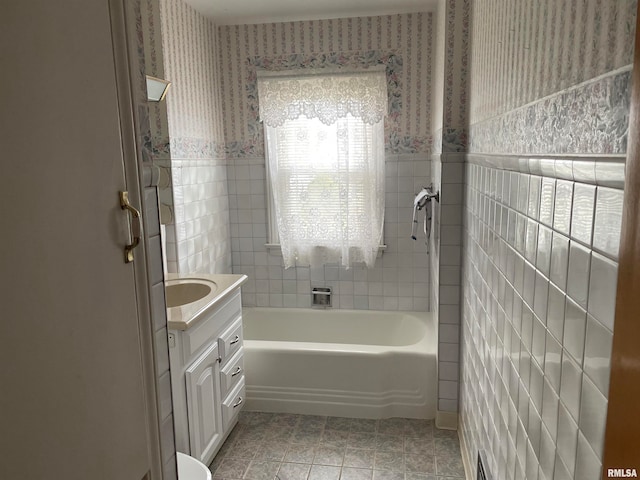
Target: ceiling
234, 12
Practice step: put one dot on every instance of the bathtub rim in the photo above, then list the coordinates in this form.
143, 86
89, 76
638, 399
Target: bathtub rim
428, 343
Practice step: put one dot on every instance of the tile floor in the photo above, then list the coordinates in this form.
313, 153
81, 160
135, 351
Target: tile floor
272, 446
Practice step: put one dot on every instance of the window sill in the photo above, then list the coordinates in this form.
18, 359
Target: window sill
274, 249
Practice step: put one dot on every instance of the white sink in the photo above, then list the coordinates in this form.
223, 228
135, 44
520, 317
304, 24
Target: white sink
191, 296
187, 290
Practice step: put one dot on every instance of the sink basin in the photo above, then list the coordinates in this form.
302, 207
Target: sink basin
185, 291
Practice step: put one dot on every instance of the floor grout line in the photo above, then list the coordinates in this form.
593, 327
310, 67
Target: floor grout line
288, 447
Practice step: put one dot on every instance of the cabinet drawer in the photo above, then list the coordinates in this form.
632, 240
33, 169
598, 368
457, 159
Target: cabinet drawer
230, 341
207, 330
233, 404
232, 373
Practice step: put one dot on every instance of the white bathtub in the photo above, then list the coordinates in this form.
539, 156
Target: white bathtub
353, 363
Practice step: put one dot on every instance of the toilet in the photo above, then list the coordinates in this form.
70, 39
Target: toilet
191, 469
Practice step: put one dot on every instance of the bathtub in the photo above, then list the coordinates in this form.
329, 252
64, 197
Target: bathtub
353, 363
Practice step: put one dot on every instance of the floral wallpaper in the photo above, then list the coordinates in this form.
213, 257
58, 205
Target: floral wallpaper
400, 42
189, 44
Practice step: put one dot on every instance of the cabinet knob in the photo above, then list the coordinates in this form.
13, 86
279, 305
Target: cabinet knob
237, 372
235, 340
238, 403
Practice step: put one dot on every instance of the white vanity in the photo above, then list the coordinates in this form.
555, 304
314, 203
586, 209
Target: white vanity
205, 350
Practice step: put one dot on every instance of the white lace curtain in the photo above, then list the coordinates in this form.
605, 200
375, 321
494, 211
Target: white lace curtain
325, 145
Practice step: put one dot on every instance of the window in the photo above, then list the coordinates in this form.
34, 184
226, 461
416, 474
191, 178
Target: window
324, 136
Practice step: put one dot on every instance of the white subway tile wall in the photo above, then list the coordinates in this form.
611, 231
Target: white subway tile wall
399, 280
537, 319
447, 177
159, 315
199, 239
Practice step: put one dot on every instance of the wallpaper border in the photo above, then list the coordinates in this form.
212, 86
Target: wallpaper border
395, 143
591, 118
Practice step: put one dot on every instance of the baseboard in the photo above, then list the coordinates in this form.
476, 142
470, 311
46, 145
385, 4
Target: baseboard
469, 471
339, 403
447, 420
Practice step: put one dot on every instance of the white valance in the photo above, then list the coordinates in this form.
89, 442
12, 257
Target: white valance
325, 96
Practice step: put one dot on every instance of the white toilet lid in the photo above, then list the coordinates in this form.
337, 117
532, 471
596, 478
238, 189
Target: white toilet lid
190, 468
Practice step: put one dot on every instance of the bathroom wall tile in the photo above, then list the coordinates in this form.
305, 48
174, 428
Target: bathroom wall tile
582, 213
155, 260
559, 260
574, 330
448, 352
448, 371
562, 206
167, 439
541, 297
531, 471
610, 173
522, 197
158, 307
151, 215
164, 396
528, 328
608, 219
535, 186
536, 385
561, 471
593, 415
597, 354
571, 385
170, 469
547, 453
528, 286
578, 274
543, 257
450, 314
567, 439
449, 333
588, 465
162, 351
547, 199
538, 341
531, 241
448, 390
550, 403
602, 289
446, 405
553, 361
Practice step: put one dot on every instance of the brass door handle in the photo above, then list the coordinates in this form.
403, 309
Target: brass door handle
136, 226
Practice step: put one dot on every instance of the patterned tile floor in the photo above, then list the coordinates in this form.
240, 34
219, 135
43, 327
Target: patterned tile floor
272, 446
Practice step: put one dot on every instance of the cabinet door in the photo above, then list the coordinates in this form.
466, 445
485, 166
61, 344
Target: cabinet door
203, 399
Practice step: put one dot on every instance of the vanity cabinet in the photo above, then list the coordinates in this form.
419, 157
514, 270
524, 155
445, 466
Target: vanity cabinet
207, 375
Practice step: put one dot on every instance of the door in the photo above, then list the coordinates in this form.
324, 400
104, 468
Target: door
203, 403
72, 402
622, 438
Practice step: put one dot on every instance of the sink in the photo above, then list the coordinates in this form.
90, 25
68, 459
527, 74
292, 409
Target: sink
184, 291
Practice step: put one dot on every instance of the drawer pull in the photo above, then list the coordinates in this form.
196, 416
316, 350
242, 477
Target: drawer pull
239, 402
237, 372
235, 340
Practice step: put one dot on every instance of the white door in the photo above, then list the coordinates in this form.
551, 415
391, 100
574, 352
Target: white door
72, 402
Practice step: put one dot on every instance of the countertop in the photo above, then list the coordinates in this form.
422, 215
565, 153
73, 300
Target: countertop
186, 316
